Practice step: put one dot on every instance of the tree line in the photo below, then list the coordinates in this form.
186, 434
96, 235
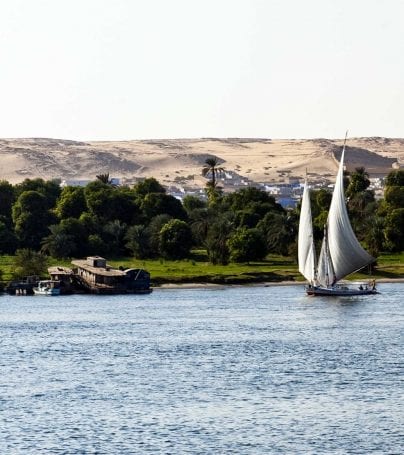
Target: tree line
146, 222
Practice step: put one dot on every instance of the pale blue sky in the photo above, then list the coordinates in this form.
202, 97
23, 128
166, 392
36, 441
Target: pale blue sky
135, 69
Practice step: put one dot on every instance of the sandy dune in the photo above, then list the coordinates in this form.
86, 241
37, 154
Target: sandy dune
180, 160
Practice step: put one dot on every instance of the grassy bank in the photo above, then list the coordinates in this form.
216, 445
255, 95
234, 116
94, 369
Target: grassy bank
198, 270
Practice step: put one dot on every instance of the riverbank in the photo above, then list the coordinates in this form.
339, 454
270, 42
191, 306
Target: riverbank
185, 286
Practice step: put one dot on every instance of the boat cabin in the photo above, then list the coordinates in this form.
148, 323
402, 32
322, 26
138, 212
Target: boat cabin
64, 276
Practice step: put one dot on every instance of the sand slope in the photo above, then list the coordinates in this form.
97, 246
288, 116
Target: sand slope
180, 160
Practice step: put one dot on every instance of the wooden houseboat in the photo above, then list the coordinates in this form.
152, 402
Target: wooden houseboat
97, 277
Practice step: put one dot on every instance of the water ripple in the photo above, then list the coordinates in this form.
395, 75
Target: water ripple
238, 371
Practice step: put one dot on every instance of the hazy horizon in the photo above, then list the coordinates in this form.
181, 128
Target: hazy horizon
198, 138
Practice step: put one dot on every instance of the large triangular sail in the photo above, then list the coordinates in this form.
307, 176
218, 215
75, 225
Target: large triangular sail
306, 250
344, 249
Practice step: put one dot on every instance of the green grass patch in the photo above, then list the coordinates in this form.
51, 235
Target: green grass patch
6, 267
201, 271
197, 269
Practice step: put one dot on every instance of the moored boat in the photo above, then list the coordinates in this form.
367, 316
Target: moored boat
95, 276
23, 286
47, 287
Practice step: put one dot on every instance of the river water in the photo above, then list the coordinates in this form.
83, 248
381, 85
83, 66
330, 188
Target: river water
238, 370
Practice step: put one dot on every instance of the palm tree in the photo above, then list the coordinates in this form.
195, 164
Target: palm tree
211, 167
104, 178
58, 243
214, 192
358, 182
114, 234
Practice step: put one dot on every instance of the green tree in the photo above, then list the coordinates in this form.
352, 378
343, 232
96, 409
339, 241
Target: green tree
394, 196
91, 223
71, 203
96, 245
252, 197
358, 182
58, 243
216, 241
200, 220
124, 206
31, 218
247, 218
323, 199
191, 203
69, 238
250, 205
8, 240
27, 262
50, 189
109, 203
395, 178
246, 245
98, 197
113, 235
175, 239
147, 186
279, 231
374, 235
394, 231
392, 208
155, 204
153, 232
138, 241
361, 207
214, 193
7, 199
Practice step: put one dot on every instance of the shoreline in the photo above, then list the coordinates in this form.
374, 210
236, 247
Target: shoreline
261, 284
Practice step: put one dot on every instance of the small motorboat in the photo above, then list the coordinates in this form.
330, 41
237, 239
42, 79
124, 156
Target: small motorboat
47, 287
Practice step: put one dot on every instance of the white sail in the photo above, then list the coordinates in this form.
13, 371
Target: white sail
306, 251
325, 269
347, 255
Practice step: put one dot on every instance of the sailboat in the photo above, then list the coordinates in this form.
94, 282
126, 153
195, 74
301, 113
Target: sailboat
341, 253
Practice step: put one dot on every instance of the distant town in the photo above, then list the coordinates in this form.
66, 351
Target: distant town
287, 193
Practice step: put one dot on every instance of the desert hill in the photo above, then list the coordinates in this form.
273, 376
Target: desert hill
180, 160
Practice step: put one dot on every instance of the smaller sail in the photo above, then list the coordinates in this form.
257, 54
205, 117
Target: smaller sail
306, 250
325, 269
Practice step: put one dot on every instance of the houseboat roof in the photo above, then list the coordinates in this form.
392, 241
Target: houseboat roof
59, 270
104, 271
